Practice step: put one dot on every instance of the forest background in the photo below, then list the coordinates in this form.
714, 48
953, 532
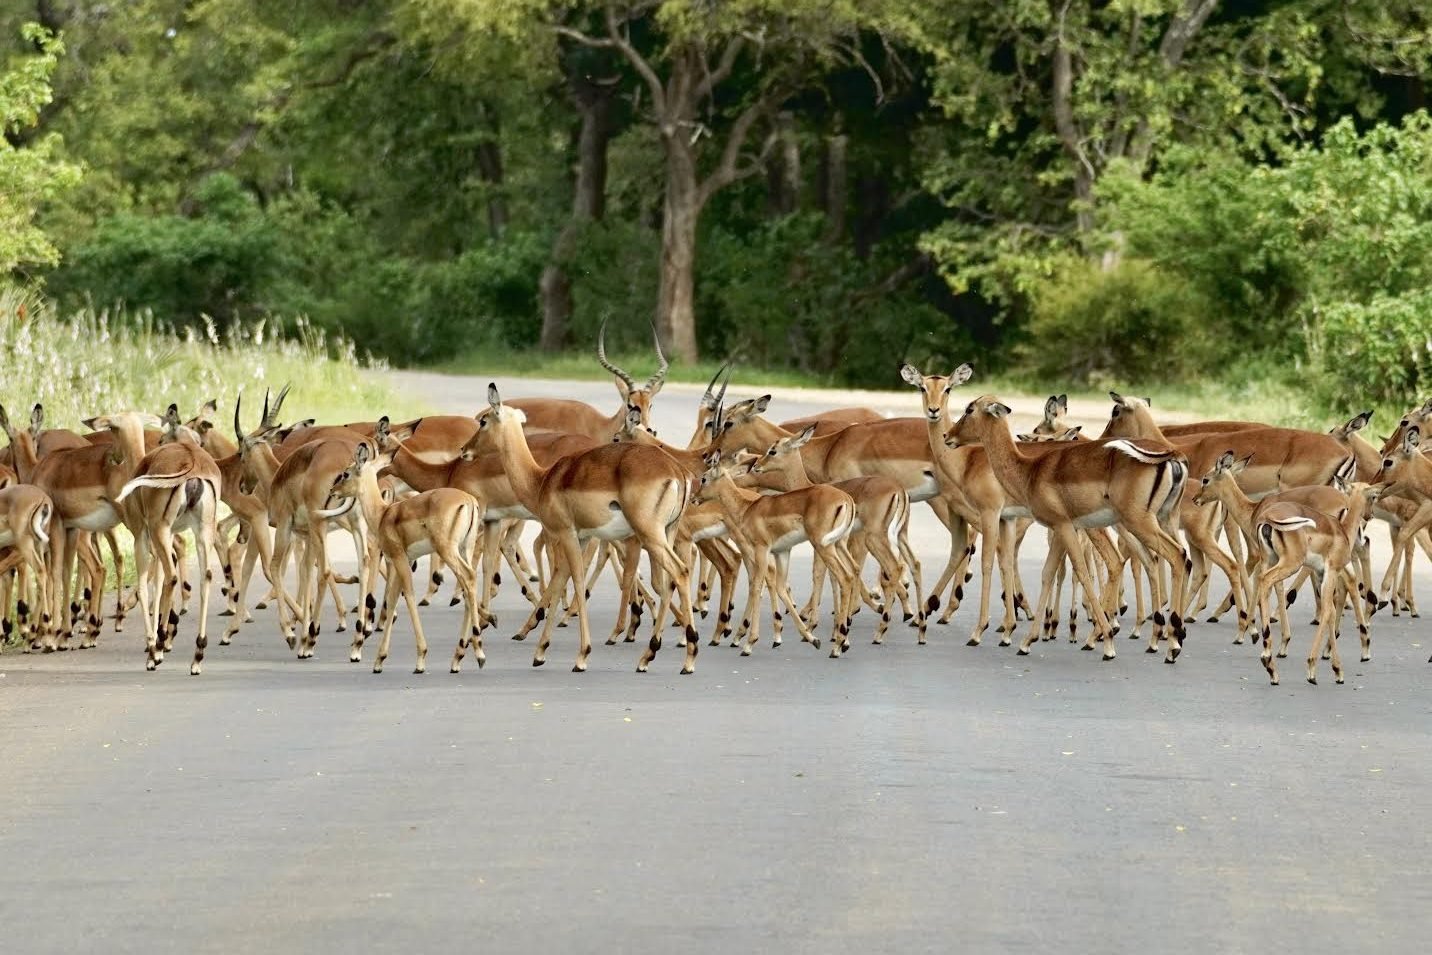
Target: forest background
1183, 193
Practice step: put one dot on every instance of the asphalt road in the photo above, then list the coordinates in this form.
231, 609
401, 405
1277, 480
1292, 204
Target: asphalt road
900, 799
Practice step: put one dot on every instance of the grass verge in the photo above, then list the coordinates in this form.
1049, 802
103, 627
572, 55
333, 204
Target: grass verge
96, 362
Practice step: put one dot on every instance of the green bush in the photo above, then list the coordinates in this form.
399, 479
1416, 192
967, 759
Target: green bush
1379, 352
218, 262
1091, 326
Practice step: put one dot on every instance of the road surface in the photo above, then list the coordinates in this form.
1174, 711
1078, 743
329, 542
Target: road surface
901, 799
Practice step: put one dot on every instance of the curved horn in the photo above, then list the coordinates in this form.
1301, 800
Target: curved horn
602, 357
238, 430
718, 412
271, 417
658, 378
707, 400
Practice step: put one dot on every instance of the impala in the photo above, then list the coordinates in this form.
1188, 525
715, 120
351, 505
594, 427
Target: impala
443, 521
1076, 484
175, 488
767, 526
577, 417
26, 522
611, 492
1295, 536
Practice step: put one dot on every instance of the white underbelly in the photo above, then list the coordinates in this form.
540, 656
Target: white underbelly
514, 513
419, 548
1103, 517
615, 529
102, 518
927, 487
1014, 513
706, 533
786, 541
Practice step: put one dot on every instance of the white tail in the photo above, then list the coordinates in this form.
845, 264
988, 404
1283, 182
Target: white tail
1138, 453
152, 480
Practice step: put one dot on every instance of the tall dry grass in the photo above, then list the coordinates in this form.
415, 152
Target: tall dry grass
93, 362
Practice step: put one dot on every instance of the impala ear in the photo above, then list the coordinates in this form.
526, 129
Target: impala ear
1225, 461
761, 404
960, 375
711, 458
1118, 398
171, 416
1051, 408
1243, 463
1149, 402
209, 408
37, 419
1026, 437
493, 398
800, 439
911, 375
1070, 434
1064, 403
997, 410
1359, 422
5, 424
1411, 440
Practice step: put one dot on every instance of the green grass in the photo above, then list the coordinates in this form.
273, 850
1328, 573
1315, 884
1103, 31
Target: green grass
92, 363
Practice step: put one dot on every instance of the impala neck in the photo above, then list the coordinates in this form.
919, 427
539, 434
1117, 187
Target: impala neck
263, 463
733, 498
792, 473
370, 498
1240, 506
419, 474
523, 472
1009, 465
24, 456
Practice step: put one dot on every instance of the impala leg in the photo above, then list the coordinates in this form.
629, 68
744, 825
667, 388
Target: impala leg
1053, 561
392, 593
204, 546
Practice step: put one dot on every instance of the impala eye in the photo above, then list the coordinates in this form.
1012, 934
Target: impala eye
1387, 465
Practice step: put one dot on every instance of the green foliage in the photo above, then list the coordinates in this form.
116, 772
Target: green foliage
781, 295
1134, 322
216, 262
33, 174
1377, 352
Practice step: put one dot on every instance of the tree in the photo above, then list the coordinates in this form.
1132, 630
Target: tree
31, 172
710, 78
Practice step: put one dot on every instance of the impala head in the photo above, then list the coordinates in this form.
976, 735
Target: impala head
388, 438
127, 425
634, 395
935, 389
1416, 418
778, 456
1222, 476
1064, 434
1056, 407
267, 430
1354, 424
37, 424
978, 422
1130, 418
348, 482
496, 419
633, 430
1399, 465
176, 432
203, 421
717, 468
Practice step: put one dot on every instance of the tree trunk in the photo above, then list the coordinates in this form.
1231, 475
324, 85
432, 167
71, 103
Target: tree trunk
676, 311
490, 171
836, 174
589, 200
783, 170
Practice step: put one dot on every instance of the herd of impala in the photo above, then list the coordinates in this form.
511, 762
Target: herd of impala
1262, 504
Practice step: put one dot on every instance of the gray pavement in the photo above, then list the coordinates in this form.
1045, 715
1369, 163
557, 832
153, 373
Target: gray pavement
900, 799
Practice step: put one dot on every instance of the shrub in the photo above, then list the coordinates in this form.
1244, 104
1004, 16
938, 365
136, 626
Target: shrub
1133, 322
217, 262
1379, 352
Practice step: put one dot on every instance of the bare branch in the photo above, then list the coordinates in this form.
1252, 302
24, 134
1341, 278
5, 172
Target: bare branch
639, 63
730, 169
727, 63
